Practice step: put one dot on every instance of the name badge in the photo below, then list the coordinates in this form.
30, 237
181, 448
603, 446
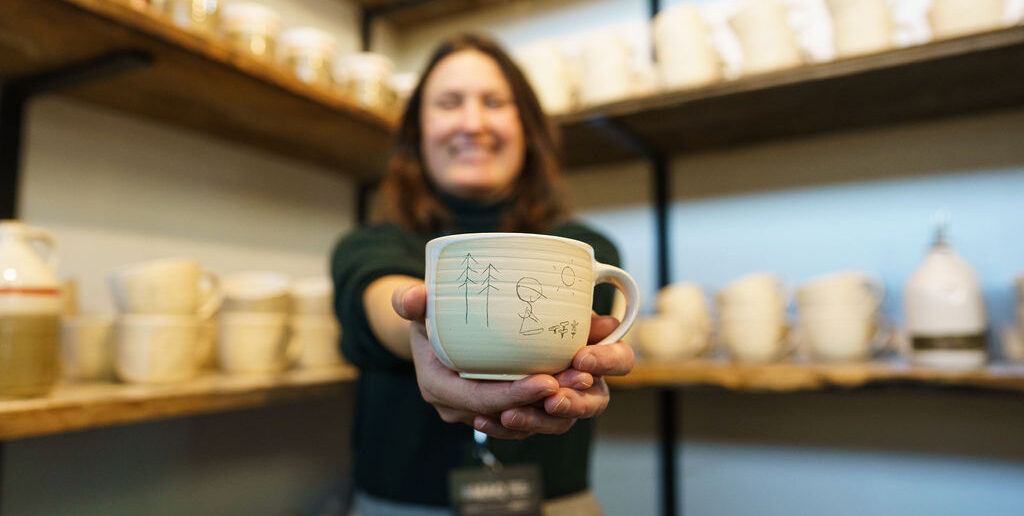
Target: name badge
505, 491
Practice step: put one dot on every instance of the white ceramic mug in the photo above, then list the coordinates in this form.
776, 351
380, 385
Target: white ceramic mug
767, 40
157, 348
861, 26
252, 342
256, 291
607, 73
547, 67
315, 341
755, 339
686, 56
842, 287
763, 292
312, 296
952, 18
501, 306
684, 301
87, 347
172, 286
837, 333
665, 337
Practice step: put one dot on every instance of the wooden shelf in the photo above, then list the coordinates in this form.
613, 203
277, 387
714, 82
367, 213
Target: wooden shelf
194, 81
88, 405
803, 377
957, 76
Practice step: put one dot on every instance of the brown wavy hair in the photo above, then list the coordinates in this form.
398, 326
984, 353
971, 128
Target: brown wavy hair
537, 202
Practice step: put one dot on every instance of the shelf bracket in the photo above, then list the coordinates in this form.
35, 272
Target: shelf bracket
15, 95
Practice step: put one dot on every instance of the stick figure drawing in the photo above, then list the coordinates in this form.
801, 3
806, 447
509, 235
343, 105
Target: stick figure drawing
529, 291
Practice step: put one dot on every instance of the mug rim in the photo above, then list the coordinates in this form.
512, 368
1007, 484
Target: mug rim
441, 242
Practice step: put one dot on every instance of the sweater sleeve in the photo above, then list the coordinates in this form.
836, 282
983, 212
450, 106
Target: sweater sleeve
358, 259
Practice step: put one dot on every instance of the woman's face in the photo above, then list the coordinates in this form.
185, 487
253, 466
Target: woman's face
472, 136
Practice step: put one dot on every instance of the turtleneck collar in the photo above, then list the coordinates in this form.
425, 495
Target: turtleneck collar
472, 216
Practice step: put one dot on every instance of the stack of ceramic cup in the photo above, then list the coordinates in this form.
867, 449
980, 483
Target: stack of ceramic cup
839, 316
752, 318
680, 329
253, 332
164, 307
315, 331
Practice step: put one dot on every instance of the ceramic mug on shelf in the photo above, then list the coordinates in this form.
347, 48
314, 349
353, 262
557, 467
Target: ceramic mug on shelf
861, 26
156, 348
501, 306
172, 286
767, 40
253, 342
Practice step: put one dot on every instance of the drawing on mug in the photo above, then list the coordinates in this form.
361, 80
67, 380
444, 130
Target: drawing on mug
529, 291
488, 286
467, 279
565, 327
568, 278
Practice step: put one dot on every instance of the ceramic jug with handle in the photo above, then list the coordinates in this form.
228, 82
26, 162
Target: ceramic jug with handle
30, 306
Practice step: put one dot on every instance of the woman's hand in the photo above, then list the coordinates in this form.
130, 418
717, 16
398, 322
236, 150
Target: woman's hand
539, 403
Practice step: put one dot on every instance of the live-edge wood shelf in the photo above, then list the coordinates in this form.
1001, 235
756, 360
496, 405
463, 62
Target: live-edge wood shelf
793, 376
88, 405
943, 78
195, 81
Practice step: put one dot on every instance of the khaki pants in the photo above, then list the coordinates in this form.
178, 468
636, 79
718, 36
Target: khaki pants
581, 504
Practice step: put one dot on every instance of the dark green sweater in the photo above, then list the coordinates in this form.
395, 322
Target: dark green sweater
403, 450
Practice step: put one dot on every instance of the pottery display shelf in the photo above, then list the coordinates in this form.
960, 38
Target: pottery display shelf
192, 80
78, 406
796, 376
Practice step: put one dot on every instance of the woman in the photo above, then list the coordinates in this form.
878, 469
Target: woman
474, 153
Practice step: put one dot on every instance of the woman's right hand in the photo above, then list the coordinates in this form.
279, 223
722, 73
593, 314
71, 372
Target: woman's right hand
483, 404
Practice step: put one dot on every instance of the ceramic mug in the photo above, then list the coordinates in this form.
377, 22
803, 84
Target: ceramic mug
502, 306
172, 286
767, 40
861, 26
155, 349
686, 56
665, 337
847, 287
252, 342
255, 291
952, 18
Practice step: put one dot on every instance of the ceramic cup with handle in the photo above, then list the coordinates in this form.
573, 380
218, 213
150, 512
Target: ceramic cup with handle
502, 306
171, 286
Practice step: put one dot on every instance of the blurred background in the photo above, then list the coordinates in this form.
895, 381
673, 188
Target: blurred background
713, 142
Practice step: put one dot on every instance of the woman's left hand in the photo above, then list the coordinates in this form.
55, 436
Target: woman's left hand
582, 391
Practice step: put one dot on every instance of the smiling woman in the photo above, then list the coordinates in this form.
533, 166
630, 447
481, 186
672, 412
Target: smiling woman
474, 153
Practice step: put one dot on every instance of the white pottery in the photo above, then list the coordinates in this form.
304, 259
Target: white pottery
501, 306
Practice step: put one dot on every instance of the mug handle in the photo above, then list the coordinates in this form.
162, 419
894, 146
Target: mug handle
211, 294
621, 280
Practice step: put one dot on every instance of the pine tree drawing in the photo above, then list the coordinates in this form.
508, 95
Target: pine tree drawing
467, 279
487, 288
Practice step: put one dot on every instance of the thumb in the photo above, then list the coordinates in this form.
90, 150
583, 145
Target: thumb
410, 301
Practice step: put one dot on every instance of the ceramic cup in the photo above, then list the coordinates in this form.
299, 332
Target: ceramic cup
684, 301
315, 341
754, 338
838, 333
952, 18
252, 342
759, 291
547, 67
501, 306
686, 56
312, 296
767, 40
154, 349
606, 71
87, 347
255, 291
861, 26
848, 287
172, 286
665, 337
